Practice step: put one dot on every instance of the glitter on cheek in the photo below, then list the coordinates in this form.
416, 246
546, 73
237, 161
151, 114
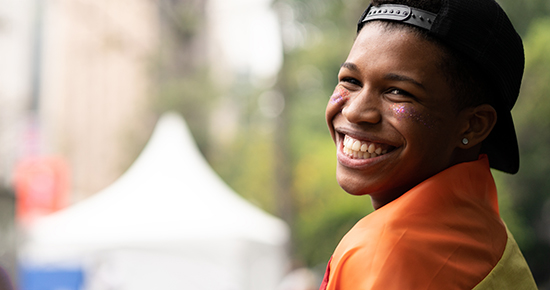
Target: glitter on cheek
340, 95
402, 111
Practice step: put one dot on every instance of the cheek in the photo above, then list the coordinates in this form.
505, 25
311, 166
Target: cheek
407, 112
340, 95
337, 100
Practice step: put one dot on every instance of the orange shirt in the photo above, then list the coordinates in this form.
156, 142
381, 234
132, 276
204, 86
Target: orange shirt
445, 233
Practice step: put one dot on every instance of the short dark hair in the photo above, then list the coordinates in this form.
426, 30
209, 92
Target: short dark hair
462, 74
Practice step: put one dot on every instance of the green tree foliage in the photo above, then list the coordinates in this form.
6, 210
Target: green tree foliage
182, 77
191, 95
523, 12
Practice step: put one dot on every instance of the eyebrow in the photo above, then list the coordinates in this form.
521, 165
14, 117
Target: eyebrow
350, 66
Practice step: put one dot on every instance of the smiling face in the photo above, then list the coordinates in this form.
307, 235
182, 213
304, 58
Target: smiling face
391, 115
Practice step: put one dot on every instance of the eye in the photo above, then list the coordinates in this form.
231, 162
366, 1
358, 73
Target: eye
351, 81
399, 95
398, 92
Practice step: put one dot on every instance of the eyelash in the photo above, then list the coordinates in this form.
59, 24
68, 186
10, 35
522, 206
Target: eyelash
399, 92
350, 80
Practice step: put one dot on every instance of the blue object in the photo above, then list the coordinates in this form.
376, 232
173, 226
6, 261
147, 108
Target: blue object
50, 278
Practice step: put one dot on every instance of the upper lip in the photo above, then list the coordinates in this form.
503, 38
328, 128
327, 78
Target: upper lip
363, 136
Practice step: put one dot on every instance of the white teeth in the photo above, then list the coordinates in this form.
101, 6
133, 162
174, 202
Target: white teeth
362, 150
356, 146
371, 148
347, 140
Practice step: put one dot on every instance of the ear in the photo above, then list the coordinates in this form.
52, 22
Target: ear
480, 122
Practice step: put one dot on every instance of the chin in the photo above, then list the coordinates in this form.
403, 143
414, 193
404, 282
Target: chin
352, 186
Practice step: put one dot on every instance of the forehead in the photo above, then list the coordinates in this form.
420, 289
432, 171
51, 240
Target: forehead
396, 47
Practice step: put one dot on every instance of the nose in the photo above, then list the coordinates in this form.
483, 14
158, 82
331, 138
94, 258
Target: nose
363, 108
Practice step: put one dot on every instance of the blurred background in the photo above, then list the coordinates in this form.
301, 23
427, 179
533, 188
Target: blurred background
85, 86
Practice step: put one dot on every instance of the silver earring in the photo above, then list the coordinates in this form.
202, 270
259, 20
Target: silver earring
465, 141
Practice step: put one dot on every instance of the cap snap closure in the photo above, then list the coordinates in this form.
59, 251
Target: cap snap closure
401, 13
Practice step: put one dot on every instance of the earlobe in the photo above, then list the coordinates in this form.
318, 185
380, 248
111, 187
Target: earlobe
481, 121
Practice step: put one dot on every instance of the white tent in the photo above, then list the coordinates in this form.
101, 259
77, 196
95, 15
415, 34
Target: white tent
168, 223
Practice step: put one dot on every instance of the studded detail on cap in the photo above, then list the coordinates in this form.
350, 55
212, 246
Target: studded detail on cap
402, 13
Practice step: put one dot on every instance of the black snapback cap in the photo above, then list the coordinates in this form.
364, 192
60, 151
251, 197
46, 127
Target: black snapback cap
481, 31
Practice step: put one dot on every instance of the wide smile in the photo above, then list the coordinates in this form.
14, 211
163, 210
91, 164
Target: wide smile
358, 149
356, 152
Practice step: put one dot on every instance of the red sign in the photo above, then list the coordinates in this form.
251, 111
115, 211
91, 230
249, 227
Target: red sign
41, 187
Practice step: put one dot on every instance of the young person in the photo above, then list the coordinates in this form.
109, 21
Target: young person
420, 114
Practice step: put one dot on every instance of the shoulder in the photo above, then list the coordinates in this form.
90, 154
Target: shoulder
511, 271
416, 251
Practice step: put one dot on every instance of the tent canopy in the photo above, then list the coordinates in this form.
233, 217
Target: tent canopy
169, 196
